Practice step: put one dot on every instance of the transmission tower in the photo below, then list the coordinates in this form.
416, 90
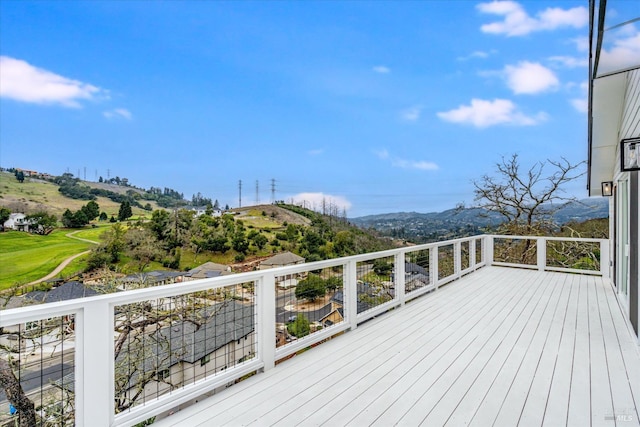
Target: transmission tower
240, 193
273, 191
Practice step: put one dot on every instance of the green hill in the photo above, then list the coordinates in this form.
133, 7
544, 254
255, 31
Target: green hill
34, 195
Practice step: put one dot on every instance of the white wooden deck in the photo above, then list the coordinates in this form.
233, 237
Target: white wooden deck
499, 347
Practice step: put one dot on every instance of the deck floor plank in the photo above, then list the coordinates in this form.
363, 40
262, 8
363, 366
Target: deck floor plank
514, 326
538, 392
435, 379
500, 346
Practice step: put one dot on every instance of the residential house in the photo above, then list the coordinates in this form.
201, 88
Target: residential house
18, 222
217, 338
207, 271
151, 278
281, 260
614, 145
45, 332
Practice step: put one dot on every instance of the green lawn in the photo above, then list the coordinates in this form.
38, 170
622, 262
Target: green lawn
25, 257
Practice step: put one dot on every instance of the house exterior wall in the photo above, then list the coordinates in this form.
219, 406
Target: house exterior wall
629, 127
184, 373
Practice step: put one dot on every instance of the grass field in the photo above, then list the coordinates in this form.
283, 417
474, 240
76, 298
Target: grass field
33, 195
25, 257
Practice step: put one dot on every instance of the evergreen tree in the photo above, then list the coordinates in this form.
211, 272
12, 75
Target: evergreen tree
125, 211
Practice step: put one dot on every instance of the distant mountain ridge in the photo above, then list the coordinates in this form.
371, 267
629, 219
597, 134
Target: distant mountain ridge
465, 221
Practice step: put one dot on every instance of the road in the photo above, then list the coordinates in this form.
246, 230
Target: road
66, 262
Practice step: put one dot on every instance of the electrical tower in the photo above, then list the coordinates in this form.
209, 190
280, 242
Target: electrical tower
240, 193
273, 191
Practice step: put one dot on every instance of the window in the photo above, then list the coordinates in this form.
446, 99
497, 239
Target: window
204, 360
164, 374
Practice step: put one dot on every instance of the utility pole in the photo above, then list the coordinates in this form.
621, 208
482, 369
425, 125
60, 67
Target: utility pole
240, 193
85, 173
273, 191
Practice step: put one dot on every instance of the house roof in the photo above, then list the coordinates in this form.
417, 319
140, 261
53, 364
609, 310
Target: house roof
412, 267
65, 292
188, 340
207, 270
152, 276
284, 258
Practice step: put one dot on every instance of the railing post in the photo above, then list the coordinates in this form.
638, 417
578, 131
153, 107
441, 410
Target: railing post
266, 317
604, 258
399, 277
351, 294
433, 265
457, 259
541, 252
94, 371
472, 254
488, 249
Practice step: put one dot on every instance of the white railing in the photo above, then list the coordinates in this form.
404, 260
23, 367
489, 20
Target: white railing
416, 270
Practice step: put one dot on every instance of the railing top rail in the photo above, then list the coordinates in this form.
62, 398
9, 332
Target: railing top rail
22, 314
564, 239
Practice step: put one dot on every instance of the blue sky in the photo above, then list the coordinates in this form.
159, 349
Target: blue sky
376, 106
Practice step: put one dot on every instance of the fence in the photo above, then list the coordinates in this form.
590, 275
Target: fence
120, 359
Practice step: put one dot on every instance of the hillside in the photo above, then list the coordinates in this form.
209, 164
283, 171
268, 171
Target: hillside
34, 195
425, 227
269, 216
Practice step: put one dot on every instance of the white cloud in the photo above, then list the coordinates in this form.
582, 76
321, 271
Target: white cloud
381, 69
316, 152
404, 163
624, 53
23, 82
517, 22
530, 78
118, 113
411, 114
582, 43
482, 113
580, 104
315, 201
382, 154
570, 61
477, 54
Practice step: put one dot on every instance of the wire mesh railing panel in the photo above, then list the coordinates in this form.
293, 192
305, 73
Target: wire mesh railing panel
446, 261
479, 251
417, 274
515, 250
465, 254
37, 365
308, 302
375, 284
165, 344
573, 254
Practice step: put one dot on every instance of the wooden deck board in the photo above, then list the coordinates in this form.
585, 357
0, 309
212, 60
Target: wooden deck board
500, 346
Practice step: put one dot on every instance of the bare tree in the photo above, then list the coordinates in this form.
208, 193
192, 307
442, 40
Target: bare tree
526, 199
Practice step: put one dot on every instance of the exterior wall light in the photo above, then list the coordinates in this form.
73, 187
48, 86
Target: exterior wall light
629, 151
607, 188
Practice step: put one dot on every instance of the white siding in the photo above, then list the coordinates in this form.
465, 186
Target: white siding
630, 126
